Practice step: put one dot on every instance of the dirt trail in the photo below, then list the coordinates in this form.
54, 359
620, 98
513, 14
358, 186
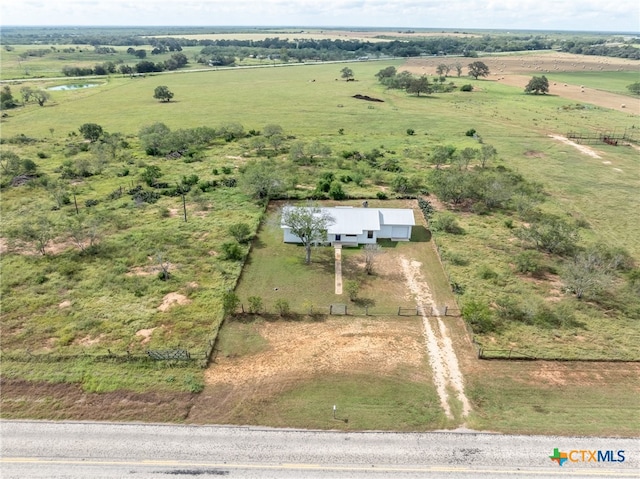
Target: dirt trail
442, 356
584, 149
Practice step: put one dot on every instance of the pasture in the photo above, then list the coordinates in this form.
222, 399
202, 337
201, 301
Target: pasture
69, 302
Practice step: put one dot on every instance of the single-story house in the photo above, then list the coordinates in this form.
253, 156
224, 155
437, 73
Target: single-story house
355, 226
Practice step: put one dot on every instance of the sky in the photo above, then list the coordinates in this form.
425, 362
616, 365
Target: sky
581, 15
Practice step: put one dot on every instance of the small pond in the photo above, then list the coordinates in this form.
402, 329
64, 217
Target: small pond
75, 86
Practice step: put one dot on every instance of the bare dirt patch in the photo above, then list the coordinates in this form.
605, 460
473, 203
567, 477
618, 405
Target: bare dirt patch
145, 334
582, 148
173, 299
297, 352
333, 346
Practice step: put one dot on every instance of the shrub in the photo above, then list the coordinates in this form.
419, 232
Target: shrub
282, 307
232, 251
255, 304
528, 262
471, 132
485, 272
467, 87
91, 202
446, 222
411, 131
352, 287
479, 317
336, 192
381, 195
230, 302
241, 232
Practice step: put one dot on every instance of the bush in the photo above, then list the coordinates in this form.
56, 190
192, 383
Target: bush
411, 131
336, 192
232, 251
230, 302
241, 232
446, 222
381, 195
485, 272
352, 287
471, 131
479, 317
466, 87
282, 307
528, 262
255, 304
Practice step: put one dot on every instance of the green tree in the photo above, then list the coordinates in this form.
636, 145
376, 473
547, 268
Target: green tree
347, 73
440, 155
36, 232
550, 234
388, 72
478, 69
84, 231
39, 96
309, 223
634, 88
419, 85
587, 274
537, 85
443, 69
6, 98
91, 131
262, 180
487, 153
163, 93
458, 67
272, 129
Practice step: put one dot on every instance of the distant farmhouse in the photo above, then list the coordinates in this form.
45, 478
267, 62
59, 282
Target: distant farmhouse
356, 226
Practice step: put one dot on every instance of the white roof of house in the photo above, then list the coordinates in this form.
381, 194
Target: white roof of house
349, 220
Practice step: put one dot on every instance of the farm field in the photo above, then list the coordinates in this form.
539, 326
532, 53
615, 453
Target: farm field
69, 302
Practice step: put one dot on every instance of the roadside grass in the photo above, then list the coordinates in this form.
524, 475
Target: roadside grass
565, 399
363, 402
106, 376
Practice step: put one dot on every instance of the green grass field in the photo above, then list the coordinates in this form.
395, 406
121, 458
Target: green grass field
116, 293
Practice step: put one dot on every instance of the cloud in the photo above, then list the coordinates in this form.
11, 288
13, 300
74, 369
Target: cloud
621, 15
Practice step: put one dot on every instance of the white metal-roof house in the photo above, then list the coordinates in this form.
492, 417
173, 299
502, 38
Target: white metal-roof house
354, 226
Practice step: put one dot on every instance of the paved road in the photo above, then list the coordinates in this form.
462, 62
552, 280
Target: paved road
32, 449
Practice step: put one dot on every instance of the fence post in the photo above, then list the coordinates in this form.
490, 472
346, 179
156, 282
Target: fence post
398, 310
510, 353
366, 310
446, 308
345, 310
331, 310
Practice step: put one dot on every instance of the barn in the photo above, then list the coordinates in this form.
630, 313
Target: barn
355, 226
